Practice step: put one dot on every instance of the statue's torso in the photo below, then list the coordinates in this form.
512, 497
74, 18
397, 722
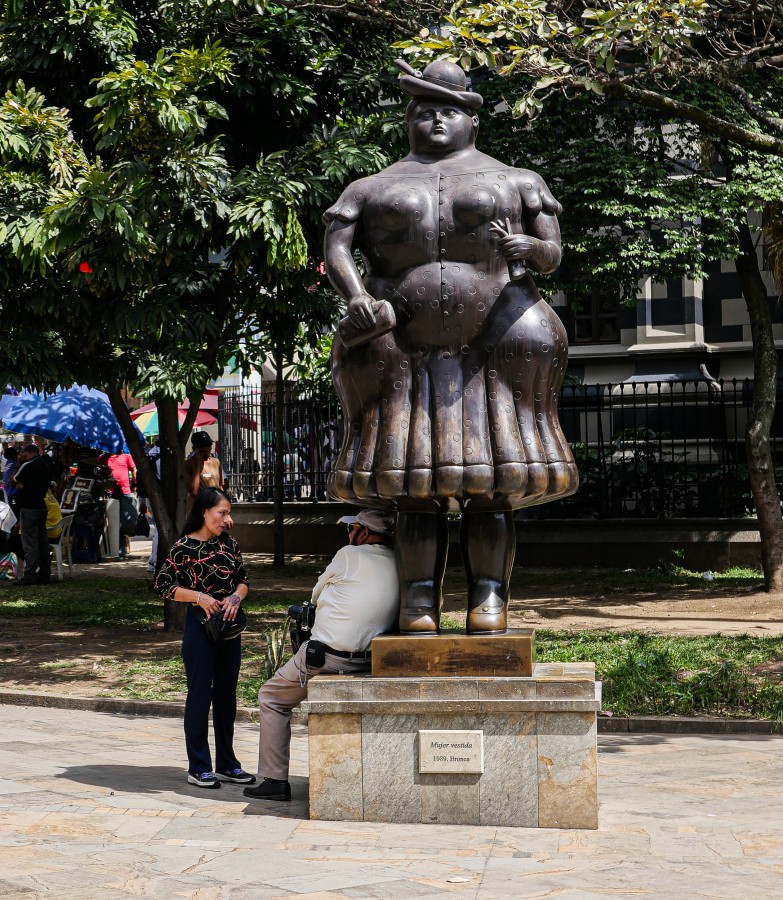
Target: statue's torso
427, 246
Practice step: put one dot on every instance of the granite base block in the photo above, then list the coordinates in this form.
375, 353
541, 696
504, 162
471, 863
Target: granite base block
539, 744
336, 782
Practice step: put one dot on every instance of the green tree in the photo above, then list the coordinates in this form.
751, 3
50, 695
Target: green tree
625, 217
161, 171
710, 70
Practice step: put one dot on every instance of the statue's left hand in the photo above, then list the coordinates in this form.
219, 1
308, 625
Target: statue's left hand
513, 246
518, 246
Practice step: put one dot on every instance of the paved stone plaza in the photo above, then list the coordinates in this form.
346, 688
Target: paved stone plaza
96, 806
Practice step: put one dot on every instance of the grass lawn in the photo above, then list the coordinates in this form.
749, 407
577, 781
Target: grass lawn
662, 675
106, 602
643, 674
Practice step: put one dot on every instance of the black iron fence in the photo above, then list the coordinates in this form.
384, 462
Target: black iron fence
659, 449
246, 428
652, 449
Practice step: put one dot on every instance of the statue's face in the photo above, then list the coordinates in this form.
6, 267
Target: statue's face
440, 127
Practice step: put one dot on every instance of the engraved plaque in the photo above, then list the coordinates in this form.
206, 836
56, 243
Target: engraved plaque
451, 752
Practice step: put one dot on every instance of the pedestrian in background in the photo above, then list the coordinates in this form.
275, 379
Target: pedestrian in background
31, 479
122, 517
10, 463
202, 468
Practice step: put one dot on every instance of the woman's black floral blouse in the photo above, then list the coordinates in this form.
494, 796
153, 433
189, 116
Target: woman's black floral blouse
213, 567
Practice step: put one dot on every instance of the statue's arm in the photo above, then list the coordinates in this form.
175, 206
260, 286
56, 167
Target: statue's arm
341, 268
540, 246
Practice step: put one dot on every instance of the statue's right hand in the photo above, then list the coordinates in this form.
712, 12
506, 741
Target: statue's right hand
360, 311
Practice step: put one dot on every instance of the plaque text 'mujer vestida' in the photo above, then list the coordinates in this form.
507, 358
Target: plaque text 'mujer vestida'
458, 752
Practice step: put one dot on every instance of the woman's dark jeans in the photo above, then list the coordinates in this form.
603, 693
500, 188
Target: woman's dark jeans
212, 670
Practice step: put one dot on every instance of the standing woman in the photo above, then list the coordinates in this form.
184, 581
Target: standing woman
205, 570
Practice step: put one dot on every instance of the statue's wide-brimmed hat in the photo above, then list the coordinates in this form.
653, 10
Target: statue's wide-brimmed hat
441, 80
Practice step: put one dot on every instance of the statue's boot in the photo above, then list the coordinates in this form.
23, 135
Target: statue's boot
488, 543
420, 547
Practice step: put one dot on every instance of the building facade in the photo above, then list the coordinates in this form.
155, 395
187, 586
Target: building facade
680, 330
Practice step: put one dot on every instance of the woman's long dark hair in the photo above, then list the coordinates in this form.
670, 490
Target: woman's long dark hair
205, 499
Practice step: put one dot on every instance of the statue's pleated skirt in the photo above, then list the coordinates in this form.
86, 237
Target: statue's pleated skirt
464, 425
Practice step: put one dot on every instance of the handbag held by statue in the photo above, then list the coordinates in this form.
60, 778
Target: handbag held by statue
353, 336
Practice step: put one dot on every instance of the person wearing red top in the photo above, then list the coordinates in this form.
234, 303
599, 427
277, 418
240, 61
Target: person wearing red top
119, 515
122, 469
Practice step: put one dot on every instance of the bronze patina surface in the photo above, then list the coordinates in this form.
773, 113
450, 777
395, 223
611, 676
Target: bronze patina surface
509, 655
450, 403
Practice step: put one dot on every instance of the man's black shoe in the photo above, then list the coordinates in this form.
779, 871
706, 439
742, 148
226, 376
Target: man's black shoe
44, 580
24, 582
269, 789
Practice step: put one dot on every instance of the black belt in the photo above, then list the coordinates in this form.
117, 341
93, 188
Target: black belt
359, 655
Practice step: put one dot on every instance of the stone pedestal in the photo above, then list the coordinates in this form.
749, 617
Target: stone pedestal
537, 743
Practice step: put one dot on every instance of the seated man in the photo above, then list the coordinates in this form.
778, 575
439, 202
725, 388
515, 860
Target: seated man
54, 516
356, 599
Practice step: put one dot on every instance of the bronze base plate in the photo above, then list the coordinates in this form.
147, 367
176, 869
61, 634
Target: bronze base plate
408, 656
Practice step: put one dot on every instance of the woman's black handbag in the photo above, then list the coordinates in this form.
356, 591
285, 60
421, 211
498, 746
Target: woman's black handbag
220, 629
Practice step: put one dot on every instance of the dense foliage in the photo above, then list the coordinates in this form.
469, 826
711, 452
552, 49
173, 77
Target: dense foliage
160, 168
625, 218
163, 167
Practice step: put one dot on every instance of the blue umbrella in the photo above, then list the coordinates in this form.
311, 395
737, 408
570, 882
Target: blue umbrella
8, 398
82, 414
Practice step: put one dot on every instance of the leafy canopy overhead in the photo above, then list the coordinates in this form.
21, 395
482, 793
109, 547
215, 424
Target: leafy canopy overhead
162, 172
650, 52
699, 86
625, 217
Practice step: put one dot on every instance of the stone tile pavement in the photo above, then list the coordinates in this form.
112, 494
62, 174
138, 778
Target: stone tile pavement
96, 806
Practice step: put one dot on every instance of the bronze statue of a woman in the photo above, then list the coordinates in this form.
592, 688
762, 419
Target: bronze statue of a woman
450, 379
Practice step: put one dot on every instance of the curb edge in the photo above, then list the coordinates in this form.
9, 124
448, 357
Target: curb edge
172, 709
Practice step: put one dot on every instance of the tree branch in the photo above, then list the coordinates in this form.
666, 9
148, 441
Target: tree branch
768, 62
749, 105
729, 131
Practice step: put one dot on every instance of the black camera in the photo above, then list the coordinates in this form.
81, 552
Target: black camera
302, 618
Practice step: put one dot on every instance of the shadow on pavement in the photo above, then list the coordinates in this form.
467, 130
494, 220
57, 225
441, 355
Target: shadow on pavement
619, 743
146, 780
168, 779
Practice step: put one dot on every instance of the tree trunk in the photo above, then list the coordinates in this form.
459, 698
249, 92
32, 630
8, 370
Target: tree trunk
174, 491
166, 496
279, 538
761, 468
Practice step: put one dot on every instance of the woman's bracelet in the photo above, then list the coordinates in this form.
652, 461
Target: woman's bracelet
234, 599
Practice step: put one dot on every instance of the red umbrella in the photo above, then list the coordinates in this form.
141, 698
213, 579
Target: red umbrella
209, 402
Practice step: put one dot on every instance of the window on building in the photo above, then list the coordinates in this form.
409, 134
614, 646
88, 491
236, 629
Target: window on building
596, 319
